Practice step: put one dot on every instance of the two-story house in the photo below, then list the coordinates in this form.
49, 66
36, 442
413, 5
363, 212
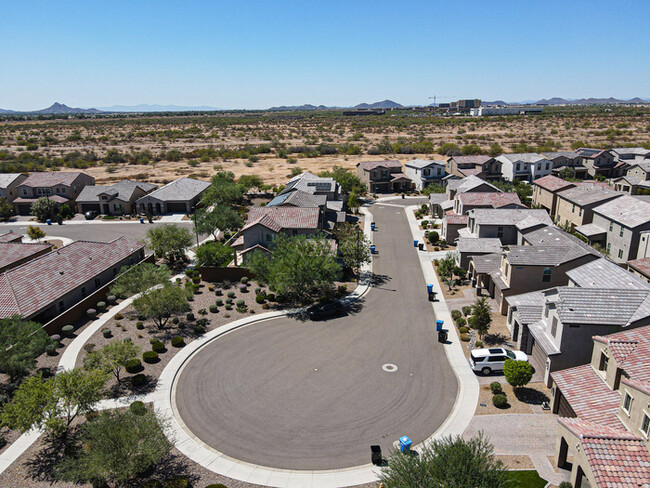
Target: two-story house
314, 185
481, 166
423, 172
603, 435
504, 223
58, 186
630, 155
574, 207
464, 202
116, 199
545, 192
8, 185
563, 160
524, 166
620, 225
265, 223
383, 176
636, 179
599, 162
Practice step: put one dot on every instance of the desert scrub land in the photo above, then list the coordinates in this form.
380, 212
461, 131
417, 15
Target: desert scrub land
161, 148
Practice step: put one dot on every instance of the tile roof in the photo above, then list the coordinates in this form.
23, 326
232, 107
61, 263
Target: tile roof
35, 285
51, 178
122, 190
509, 216
642, 265
470, 171
602, 272
278, 218
486, 263
626, 210
553, 183
524, 157
310, 183
399, 176
455, 219
183, 189
636, 151
369, 165
543, 255
7, 179
483, 245
471, 183
553, 236
631, 349
298, 198
423, 163
54, 198
491, 199
617, 458
586, 152
566, 154
589, 396
11, 236
12, 252
529, 306
478, 160
590, 194
590, 231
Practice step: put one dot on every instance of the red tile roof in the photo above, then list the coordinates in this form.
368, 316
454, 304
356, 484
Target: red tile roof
278, 218
642, 265
399, 176
589, 396
470, 171
368, 165
617, 458
35, 285
484, 199
51, 178
456, 219
631, 349
54, 198
11, 252
11, 236
553, 183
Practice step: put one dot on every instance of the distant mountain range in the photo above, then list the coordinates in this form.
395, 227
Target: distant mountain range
156, 108
565, 101
382, 104
55, 109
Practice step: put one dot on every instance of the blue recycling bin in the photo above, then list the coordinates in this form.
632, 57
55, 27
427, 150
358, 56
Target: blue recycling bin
48, 221
372, 249
405, 443
142, 220
439, 324
415, 243
429, 288
372, 226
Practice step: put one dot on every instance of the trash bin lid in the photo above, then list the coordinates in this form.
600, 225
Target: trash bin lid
440, 321
405, 440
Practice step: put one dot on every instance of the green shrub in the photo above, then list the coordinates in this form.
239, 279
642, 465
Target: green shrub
271, 297
218, 292
467, 309
119, 316
463, 330
478, 344
196, 280
219, 302
92, 313
111, 299
500, 400
495, 388
190, 317
101, 306
158, 346
127, 339
214, 309
175, 320
150, 357
139, 325
242, 309
107, 333
199, 329
228, 306
456, 314
460, 322
244, 280
178, 482
464, 337
229, 301
565, 484
178, 341
139, 379
88, 347
50, 349
258, 290
231, 294
218, 485
202, 311
133, 365
67, 330
240, 303
138, 408
259, 298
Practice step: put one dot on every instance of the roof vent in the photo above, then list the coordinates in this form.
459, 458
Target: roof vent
60, 272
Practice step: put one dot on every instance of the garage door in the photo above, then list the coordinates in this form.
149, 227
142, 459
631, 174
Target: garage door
177, 207
537, 357
87, 207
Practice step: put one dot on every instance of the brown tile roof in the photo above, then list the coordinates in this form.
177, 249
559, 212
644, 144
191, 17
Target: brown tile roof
491, 199
641, 265
631, 349
399, 176
455, 219
54, 198
11, 236
368, 165
278, 218
11, 252
617, 458
31, 287
477, 160
51, 178
470, 171
589, 396
553, 183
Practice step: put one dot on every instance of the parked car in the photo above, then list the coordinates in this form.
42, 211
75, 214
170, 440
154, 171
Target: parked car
322, 311
91, 214
492, 359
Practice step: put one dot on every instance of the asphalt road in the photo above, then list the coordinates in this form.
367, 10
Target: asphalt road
102, 232
313, 395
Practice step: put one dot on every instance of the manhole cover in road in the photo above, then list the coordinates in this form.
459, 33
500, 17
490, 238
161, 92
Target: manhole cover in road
389, 368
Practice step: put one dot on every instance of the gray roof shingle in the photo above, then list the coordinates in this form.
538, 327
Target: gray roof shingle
509, 216
588, 194
183, 189
626, 210
122, 190
483, 245
602, 272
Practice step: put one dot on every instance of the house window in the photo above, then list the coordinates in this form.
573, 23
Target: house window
546, 275
57, 189
269, 237
604, 361
620, 254
425, 172
554, 326
97, 283
439, 171
548, 166
645, 424
61, 306
573, 208
627, 403
24, 191
83, 292
609, 248
539, 166
620, 234
611, 226
546, 309
63, 190
518, 167
499, 232
580, 213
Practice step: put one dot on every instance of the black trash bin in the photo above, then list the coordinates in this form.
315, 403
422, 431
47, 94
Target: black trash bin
375, 455
442, 336
421, 246
432, 296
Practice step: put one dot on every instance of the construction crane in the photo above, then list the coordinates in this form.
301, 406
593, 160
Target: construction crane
436, 97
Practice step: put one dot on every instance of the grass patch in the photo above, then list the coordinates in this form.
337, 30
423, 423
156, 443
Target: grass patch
525, 479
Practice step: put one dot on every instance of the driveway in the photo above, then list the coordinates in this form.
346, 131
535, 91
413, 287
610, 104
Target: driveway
315, 395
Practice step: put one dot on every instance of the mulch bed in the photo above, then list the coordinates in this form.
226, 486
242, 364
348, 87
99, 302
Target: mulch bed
520, 402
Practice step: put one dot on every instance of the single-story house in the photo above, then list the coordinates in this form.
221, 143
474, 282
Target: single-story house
11, 236
116, 199
14, 254
179, 196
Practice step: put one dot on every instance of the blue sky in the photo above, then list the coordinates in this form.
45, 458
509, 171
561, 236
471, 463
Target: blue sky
256, 54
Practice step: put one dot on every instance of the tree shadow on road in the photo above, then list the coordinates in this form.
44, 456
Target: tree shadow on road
378, 280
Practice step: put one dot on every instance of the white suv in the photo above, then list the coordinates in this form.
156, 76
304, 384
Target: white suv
493, 359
